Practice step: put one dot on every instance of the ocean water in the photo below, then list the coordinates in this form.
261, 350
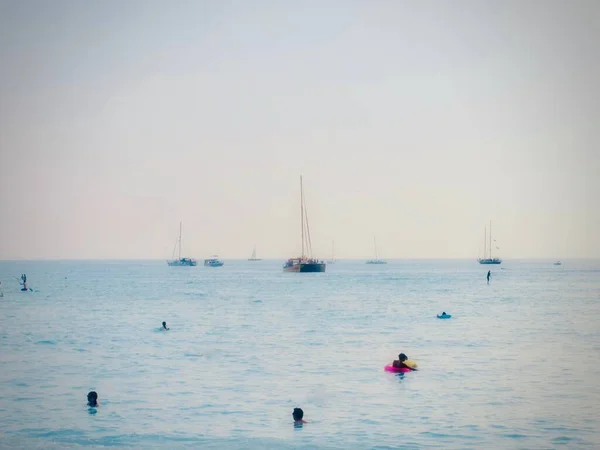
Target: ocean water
517, 366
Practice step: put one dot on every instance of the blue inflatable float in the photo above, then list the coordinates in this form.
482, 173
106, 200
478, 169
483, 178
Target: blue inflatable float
444, 316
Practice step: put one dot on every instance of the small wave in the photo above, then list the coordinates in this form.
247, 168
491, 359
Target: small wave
46, 342
194, 294
57, 434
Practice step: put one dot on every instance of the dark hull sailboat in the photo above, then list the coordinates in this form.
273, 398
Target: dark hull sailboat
304, 264
487, 255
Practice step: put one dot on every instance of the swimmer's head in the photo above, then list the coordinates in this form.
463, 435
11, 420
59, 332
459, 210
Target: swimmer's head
92, 398
444, 313
402, 357
297, 414
164, 324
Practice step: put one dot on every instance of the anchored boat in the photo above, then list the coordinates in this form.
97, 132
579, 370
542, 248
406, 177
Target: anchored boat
376, 260
180, 261
305, 262
487, 255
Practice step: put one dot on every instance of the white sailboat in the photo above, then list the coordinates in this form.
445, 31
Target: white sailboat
332, 260
180, 261
376, 260
253, 257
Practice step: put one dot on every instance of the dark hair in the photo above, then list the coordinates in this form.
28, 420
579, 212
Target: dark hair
298, 414
164, 323
92, 398
402, 357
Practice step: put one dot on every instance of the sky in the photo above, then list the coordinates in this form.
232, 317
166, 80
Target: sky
415, 122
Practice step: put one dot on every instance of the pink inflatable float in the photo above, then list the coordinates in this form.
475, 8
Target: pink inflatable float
390, 368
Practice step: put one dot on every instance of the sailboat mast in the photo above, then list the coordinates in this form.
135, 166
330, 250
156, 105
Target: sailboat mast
485, 242
179, 240
375, 245
302, 214
490, 239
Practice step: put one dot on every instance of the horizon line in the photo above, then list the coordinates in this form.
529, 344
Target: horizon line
323, 259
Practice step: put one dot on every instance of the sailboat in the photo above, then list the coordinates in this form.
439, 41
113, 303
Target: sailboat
332, 260
180, 261
376, 260
304, 263
487, 255
253, 257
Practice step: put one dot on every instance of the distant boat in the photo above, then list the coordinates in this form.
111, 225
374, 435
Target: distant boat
213, 261
558, 263
180, 261
332, 260
253, 257
376, 260
304, 263
487, 255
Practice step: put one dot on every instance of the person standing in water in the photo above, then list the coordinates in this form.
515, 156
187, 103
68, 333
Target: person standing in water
24, 282
164, 325
488, 276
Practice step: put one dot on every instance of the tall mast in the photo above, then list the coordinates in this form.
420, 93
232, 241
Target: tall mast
179, 240
490, 239
485, 242
302, 214
375, 244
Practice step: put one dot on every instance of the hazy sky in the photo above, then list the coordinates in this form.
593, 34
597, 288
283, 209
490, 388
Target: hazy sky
416, 122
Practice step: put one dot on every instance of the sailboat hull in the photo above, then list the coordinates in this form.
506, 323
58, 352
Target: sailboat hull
312, 267
182, 262
305, 267
490, 261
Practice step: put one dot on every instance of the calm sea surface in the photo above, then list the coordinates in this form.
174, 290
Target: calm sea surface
517, 366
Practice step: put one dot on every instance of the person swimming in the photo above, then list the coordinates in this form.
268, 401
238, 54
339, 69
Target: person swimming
399, 363
92, 398
298, 415
489, 274
164, 326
